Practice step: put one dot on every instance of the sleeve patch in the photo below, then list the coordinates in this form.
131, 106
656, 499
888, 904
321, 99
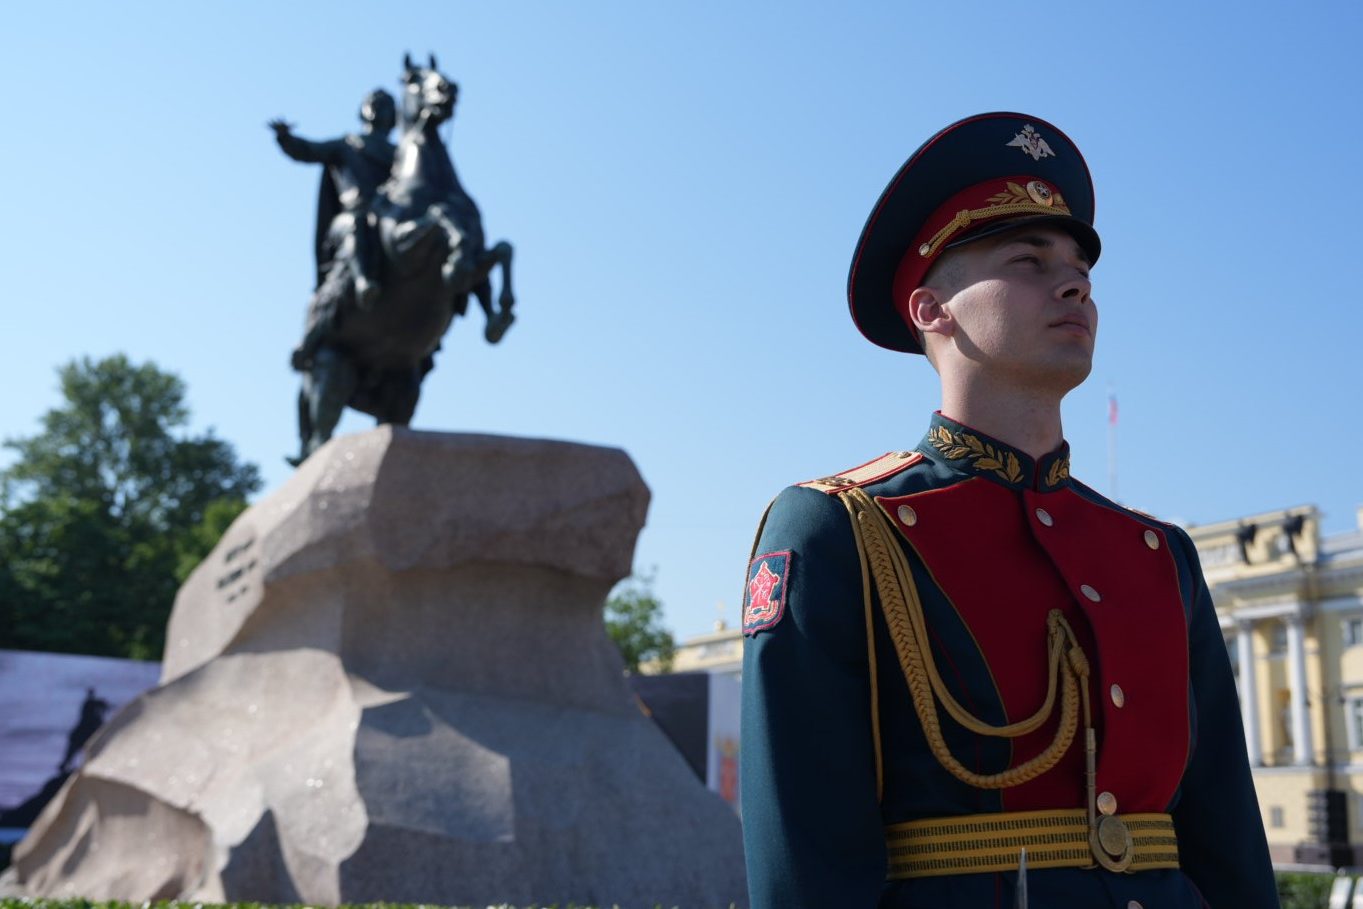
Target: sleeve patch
764, 600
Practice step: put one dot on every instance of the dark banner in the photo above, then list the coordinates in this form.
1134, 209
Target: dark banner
50, 704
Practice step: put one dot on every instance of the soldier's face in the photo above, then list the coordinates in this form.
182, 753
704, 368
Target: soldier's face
1024, 310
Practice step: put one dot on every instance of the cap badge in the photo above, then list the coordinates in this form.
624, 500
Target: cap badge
1030, 141
1040, 193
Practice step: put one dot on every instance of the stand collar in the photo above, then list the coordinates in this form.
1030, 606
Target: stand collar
970, 451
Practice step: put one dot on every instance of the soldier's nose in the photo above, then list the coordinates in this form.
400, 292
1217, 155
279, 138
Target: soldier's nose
1078, 288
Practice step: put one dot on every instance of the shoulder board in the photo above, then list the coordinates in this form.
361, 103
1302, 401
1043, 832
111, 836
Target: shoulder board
887, 465
1122, 506
1152, 518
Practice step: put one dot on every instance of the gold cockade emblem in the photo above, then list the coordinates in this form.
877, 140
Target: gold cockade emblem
982, 456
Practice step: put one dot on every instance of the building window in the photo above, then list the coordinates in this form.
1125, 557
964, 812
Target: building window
1352, 627
1353, 718
1275, 816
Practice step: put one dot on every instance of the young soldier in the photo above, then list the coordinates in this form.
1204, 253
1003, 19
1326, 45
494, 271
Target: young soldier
959, 651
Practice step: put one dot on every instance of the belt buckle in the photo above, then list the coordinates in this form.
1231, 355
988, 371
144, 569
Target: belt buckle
1111, 843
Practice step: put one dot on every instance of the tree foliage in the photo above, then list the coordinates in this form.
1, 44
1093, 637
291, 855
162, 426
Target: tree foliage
1298, 890
634, 619
101, 511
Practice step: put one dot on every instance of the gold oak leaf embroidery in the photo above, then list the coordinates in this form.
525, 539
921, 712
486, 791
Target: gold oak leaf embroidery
1060, 470
1014, 473
959, 445
1016, 195
1013, 196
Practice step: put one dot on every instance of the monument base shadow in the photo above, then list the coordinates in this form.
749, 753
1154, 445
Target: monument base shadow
391, 682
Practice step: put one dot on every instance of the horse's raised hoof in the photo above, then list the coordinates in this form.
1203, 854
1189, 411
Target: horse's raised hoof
497, 326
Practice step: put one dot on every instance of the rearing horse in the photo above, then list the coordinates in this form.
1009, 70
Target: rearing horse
434, 256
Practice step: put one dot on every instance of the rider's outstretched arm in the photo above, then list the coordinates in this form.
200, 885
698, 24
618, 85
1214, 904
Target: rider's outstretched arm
305, 150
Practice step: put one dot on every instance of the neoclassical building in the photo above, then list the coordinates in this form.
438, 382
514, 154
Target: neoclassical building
1291, 606
720, 651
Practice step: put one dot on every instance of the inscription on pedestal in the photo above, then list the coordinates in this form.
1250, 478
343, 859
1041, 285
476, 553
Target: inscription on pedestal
239, 563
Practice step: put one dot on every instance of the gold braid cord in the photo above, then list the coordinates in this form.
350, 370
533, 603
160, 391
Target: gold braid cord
1012, 203
1069, 668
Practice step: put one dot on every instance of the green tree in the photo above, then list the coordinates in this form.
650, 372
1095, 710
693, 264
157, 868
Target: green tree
101, 510
1304, 890
634, 619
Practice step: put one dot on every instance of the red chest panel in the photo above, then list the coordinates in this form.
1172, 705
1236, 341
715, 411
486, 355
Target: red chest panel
1004, 559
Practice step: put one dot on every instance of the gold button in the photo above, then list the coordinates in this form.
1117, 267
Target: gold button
924, 249
1152, 539
1089, 592
1134, 904
1044, 517
902, 454
1118, 695
908, 516
1107, 803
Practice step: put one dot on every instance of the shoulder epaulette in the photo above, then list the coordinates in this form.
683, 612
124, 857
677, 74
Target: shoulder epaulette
1122, 506
887, 465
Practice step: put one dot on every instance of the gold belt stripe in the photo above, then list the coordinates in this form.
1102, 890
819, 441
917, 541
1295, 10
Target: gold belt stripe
983, 843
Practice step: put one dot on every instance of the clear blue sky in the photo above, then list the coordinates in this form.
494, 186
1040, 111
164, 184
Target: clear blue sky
684, 184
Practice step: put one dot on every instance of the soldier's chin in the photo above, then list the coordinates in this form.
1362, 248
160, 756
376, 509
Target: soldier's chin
1078, 370
1063, 373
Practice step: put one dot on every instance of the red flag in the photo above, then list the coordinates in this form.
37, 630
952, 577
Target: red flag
1112, 410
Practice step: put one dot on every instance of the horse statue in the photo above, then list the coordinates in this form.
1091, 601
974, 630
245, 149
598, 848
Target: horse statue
369, 346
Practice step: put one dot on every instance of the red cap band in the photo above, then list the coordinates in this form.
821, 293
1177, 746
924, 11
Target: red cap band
1019, 196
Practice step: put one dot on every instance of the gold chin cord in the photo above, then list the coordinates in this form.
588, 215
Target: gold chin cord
883, 558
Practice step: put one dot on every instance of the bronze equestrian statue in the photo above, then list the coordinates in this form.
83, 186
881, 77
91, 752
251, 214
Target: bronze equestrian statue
399, 249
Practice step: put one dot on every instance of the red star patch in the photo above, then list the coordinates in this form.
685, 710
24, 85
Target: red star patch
765, 603
760, 588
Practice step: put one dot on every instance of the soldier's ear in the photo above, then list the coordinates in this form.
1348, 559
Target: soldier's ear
924, 313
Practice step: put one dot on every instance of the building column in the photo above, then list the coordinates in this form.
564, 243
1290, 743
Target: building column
1249, 690
1302, 752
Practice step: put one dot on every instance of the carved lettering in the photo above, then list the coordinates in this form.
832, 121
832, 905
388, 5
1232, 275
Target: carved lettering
238, 550
236, 574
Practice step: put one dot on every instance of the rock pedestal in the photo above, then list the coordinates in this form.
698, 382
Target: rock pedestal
391, 681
